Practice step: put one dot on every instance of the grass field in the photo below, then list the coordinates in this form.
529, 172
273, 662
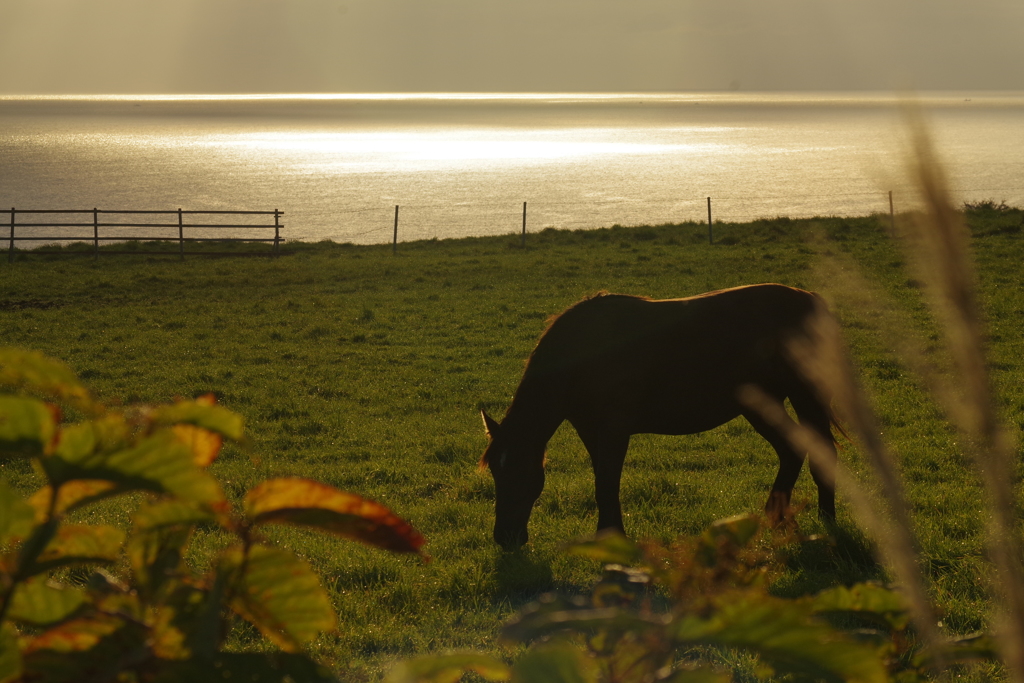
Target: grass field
367, 370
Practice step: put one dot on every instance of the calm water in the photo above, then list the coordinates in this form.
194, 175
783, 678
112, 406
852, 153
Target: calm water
463, 165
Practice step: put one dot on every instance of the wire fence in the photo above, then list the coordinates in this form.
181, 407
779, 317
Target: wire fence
437, 219
394, 221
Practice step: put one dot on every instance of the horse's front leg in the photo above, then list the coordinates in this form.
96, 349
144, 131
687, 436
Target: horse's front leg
607, 454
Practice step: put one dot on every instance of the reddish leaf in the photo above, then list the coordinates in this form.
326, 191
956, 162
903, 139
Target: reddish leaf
304, 502
96, 648
80, 544
76, 635
202, 412
204, 444
70, 496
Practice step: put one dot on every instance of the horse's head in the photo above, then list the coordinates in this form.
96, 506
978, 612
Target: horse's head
518, 471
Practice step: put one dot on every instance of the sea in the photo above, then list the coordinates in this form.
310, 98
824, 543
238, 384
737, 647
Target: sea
464, 164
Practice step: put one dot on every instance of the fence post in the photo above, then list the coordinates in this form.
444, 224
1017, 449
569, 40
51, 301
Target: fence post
711, 237
892, 214
394, 242
181, 236
277, 233
95, 233
524, 225
10, 249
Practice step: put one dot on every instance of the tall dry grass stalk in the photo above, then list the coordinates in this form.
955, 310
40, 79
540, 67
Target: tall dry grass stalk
936, 242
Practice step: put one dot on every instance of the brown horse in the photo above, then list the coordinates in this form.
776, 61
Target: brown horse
616, 365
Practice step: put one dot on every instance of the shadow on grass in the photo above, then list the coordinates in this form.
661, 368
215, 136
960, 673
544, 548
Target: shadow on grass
520, 576
844, 557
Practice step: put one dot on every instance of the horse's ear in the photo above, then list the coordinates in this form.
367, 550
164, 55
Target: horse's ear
490, 426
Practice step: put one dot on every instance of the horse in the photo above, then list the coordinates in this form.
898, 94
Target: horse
615, 365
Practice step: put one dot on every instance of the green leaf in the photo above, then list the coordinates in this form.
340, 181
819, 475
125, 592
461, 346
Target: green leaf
16, 516
10, 656
71, 495
552, 615
448, 668
39, 374
202, 413
95, 648
225, 667
38, 602
79, 544
155, 557
557, 663
28, 427
864, 599
731, 534
308, 503
159, 463
279, 594
609, 547
152, 516
782, 633
696, 676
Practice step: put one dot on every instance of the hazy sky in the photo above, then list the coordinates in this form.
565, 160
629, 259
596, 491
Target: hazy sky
242, 46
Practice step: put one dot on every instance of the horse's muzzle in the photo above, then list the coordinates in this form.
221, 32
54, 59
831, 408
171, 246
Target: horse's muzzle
511, 539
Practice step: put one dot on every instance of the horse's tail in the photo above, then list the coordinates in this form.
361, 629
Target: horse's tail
823, 329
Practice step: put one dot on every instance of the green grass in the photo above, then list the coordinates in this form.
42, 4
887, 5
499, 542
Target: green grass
367, 370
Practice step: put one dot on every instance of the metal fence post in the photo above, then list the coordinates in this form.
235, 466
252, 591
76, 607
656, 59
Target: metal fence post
10, 249
711, 237
524, 225
181, 236
394, 243
96, 233
277, 233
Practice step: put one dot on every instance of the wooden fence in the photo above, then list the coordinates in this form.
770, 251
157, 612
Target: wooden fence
69, 219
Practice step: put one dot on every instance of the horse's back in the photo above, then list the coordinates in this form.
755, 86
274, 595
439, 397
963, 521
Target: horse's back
648, 361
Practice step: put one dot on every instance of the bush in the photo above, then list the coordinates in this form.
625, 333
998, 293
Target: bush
154, 618
661, 614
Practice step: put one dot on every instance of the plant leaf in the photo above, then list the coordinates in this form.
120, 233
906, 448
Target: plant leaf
782, 633
204, 444
10, 656
696, 676
79, 544
279, 594
71, 495
228, 667
448, 668
551, 615
40, 374
865, 599
155, 556
38, 602
202, 412
304, 502
609, 547
730, 534
28, 427
556, 663
16, 516
154, 515
159, 463
94, 648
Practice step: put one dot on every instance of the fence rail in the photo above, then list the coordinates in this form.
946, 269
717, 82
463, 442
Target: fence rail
179, 224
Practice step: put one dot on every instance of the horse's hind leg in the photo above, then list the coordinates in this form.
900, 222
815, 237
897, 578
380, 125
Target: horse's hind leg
789, 469
814, 415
